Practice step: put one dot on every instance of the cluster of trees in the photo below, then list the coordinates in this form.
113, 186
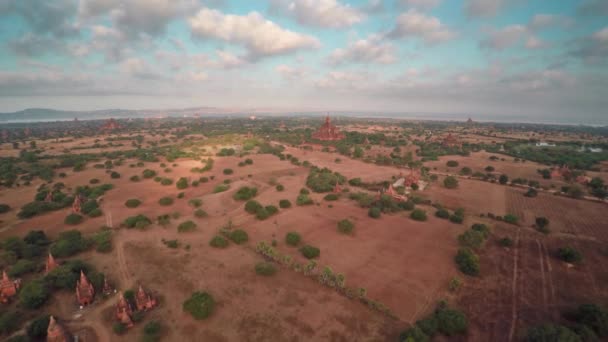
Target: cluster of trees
444, 320
138, 221
59, 200
200, 305
261, 212
450, 182
456, 217
323, 180
589, 322
471, 240
245, 193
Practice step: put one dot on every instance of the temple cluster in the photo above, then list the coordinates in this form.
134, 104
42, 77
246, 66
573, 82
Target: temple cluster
328, 132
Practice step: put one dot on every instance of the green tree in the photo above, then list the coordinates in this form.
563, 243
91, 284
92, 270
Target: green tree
200, 305
34, 294
450, 182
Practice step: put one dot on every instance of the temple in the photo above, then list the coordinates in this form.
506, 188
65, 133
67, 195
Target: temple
77, 204
123, 307
562, 171
107, 289
8, 287
85, 292
56, 332
110, 125
337, 189
412, 178
390, 191
451, 141
50, 265
328, 132
144, 301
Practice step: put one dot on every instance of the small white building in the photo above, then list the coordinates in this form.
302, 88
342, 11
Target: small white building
544, 144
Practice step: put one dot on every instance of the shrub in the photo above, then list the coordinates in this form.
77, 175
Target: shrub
467, 261
165, 201
200, 213
22, 266
134, 178
265, 269
262, 214
252, 206
147, 173
152, 331
69, 243
531, 193
374, 212
450, 182
489, 169
94, 181
38, 328
331, 197
456, 218
505, 242
346, 227
355, 182
132, 203
181, 195
323, 180
115, 175
310, 252
119, 328
510, 218
166, 181
239, 236
550, 332
452, 163
171, 243
73, 219
195, 202
418, 215
228, 171
220, 188
283, 204
569, 254
466, 171
471, 239
542, 222
186, 226
103, 241
503, 179
34, 294
9, 322
304, 191
89, 206
139, 221
451, 322
280, 187
414, 334
593, 316
303, 200
218, 241
4, 208
200, 305
271, 209
442, 213
245, 193
292, 238
182, 183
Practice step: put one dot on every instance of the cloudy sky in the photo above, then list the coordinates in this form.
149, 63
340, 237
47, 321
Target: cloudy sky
543, 60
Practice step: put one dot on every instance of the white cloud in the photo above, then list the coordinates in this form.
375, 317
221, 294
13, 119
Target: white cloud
420, 4
345, 80
370, 50
541, 21
415, 24
291, 73
534, 42
601, 35
483, 8
138, 68
259, 36
504, 38
321, 13
227, 60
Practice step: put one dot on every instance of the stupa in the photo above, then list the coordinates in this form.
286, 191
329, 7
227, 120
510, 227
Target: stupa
328, 132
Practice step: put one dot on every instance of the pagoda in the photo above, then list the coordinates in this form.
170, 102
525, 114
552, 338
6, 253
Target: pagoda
390, 191
328, 132
337, 188
450, 141
470, 122
144, 301
8, 287
56, 332
123, 307
110, 125
50, 265
412, 178
107, 289
124, 318
77, 204
49, 197
85, 293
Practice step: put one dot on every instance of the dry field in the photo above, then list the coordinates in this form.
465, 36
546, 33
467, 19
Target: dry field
476, 197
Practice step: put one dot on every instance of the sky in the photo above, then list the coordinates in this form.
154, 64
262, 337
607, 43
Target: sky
542, 60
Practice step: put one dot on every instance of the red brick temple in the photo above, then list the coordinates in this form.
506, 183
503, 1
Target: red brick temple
8, 287
123, 307
77, 204
49, 197
85, 292
110, 125
50, 265
144, 301
124, 318
107, 289
57, 333
412, 178
337, 189
562, 171
451, 141
390, 191
328, 132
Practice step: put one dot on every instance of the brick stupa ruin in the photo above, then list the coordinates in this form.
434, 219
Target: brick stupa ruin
85, 292
144, 301
50, 264
328, 132
8, 287
110, 125
56, 332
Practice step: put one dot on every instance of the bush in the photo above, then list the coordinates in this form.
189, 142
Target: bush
542, 222
280, 187
265, 269
489, 169
442, 213
152, 331
283, 204
418, 215
331, 197
182, 183
505, 242
510, 218
134, 178
456, 219
9, 322
165, 201
218, 241
303, 200
166, 181
304, 191
271, 209
139, 221
147, 173
245, 193
414, 334
119, 328
239, 236
115, 175
346, 227
195, 202
94, 181
531, 193
593, 316
22, 266
34, 294
471, 239
374, 212
252, 206
293, 238
4, 208
228, 171
186, 226
503, 179
569, 254
200, 305
452, 163
467, 261
132, 203
310, 252
323, 180
89, 206
355, 182
450, 182
551, 332
451, 322
466, 171
200, 213
38, 328
73, 219
69, 243
220, 188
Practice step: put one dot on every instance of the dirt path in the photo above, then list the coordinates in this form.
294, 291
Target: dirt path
123, 270
514, 293
541, 258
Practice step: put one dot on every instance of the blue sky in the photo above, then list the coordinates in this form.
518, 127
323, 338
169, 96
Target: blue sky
541, 60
